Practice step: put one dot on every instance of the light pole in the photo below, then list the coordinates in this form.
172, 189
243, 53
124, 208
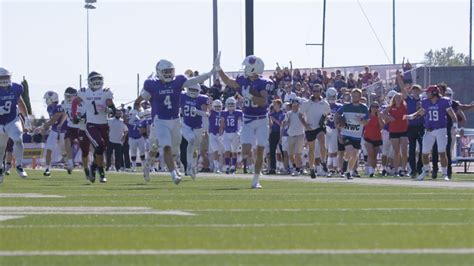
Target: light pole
88, 6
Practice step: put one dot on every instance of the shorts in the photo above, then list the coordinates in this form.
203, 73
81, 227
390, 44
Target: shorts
72, 133
340, 146
192, 135
231, 142
12, 130
352, 142
98, 135
168, 133
84, 143
255, 132
439, 136
397, 135
312, 134
284, 143
295, 144
375, 143
52, 142
215, 143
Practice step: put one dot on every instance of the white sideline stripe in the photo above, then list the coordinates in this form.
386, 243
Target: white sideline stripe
234, 252
29, 210
227, 225
330, 209
9, 217
28, 195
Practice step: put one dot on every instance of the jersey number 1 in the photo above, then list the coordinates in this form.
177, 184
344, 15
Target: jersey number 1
95, 108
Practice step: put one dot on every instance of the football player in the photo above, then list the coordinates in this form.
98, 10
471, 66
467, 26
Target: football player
56, 116
135, 139
332, 132
215, 139
75, 132
193, 109
164, 93
98, 103
231, 121
435, 109
254, 89
11, 103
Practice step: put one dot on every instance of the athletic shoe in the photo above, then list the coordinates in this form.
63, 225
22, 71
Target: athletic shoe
178, 172
329, 174
384, 172
447, 178
21, 172
312, 174
92, 173
232, 170
256, 186
175, 177
217, 171
371, 175
434, 174
355, 174
8, 166
227, 171
348, 176
422, 176
103, 179
47, 172
295, 173
102, 175
87, 173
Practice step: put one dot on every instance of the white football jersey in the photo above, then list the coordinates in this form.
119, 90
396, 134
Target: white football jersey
67, 106
95, 103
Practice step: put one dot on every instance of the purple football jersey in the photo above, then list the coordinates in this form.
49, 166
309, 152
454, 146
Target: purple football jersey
8, 103
214, 122
435, 113
231, 120
334, 108
134, 129
260, 84
188, 107
165, 97
52, 110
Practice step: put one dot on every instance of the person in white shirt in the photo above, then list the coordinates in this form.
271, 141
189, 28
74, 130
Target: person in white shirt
289, 94
295, 130
313, 115
117, 134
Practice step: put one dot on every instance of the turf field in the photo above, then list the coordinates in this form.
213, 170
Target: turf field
64, 220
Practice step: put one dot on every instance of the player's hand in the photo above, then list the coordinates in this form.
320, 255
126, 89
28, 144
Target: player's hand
405, 117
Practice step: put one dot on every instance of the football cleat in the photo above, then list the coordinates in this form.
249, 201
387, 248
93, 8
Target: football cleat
47, 172
447, 178
7, 168
103, 179
87, 173
256, 186
21, 172
348, 176
313, 173
175, 177
92, 173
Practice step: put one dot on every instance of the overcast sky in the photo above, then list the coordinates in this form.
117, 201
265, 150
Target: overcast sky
46, 40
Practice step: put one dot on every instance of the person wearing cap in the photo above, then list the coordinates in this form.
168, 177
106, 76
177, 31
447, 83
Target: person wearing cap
435, 110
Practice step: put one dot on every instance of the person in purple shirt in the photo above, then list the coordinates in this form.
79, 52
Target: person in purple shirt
231, 121
56, 115
164, 94
434, 110
135, 138
276, 118
332, 132
215, 139
416, 130
193, 109
254, 89
11, 104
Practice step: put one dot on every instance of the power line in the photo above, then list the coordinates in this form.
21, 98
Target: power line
373, 30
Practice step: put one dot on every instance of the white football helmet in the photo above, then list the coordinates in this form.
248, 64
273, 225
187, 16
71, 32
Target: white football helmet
230, 104
449, 93
165, 70
145, 114
50, 97
193, 91
217, 105
95, 81
5, 78
253, 66
331, 95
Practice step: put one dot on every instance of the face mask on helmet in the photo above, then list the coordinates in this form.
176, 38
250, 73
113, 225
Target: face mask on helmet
50, 97
5, 78
217, 106
165, 70
96, 81
253, 66
193, 92
69, 94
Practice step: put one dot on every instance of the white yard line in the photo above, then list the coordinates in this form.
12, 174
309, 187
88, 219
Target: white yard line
332, 209
227, 225
28, 195
32, 210
9, 217
235, 252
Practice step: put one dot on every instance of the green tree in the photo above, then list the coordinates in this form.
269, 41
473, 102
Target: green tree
445, 57
26, 95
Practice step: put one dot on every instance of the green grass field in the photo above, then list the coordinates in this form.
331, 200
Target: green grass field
223, 222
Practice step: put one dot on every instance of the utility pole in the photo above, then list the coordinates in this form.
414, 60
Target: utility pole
322, 44
393, 31
249, 28
215, 31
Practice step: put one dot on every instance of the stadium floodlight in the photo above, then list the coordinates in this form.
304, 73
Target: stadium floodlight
90, 1
88, 6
